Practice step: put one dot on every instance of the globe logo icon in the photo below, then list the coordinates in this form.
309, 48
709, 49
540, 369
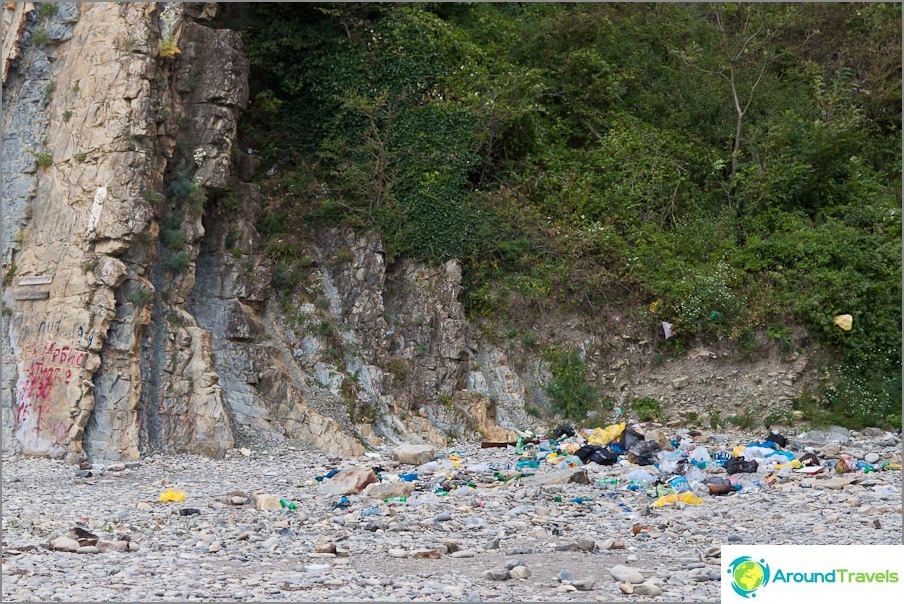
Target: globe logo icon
748, 575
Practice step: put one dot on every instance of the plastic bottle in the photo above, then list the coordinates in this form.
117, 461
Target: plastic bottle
399, 499
287, 504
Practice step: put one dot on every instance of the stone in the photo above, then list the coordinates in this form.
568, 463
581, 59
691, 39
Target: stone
88, 549
263, 501
872, 458
566, 476
566, 575
498, 574
397, 553
584, 584
107, 545
143, 505
326, 548
64, 544
831, 450
647, 589
350, 481
465, 553
520, 572
420, 554
626, 574
415, 455
388, 490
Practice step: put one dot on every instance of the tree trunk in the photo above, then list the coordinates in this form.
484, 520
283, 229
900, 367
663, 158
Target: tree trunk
737, 144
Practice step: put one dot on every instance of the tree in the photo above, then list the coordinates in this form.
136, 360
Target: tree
747, 36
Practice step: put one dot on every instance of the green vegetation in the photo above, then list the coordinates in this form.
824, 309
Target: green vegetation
140, 296
80, 156
609, 166
40, 37
9, 274
646, 408
569, 389
176, 262
47, 10
45, 160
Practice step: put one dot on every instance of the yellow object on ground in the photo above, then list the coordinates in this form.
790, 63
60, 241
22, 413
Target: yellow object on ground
737, 451
554, 458
570, 447
845, 322
688, 498
791, 464
603, 436
171, 495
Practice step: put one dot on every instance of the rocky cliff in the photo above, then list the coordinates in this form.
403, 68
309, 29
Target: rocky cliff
138, 311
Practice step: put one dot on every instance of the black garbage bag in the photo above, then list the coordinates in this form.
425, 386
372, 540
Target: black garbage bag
809, 459
565, 430
603, 457
584, 452
643, 453
596, 454
738, 465
779, 439
631, 437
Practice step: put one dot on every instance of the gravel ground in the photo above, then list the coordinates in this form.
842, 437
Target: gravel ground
235, 552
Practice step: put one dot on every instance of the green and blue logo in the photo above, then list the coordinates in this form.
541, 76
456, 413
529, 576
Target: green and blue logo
748, 575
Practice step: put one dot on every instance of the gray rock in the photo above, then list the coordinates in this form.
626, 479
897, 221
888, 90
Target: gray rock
520, 572
350, 481
871, 458
566, 575
388, 490
64, 544
566, 476
88, 549
647, 589
584, 584
497, 575
626, 574
415, 455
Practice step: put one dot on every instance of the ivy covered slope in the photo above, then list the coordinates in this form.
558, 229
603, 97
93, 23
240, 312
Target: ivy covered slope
733, 169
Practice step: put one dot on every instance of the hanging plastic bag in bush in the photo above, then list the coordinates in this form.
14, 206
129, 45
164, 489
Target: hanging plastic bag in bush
845, 322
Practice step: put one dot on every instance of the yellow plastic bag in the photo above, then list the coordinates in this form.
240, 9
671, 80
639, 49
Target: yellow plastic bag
687, 497
171, 495
845, 322
737, 451
603, 436
791, 464
554, 458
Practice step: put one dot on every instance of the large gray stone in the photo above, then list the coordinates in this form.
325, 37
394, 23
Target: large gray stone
566, 476
350, 481
626, 574
387, 490
413, 454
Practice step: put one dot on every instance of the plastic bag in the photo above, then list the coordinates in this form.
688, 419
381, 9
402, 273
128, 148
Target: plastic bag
845, 322
777, 438
846, 464
643, 453
700, 454
738, 465
565, 430
631, 437
603, 436
688, 498
643, 477
171, 495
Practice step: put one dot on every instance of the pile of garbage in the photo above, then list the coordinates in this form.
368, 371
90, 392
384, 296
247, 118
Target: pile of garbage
680, 469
